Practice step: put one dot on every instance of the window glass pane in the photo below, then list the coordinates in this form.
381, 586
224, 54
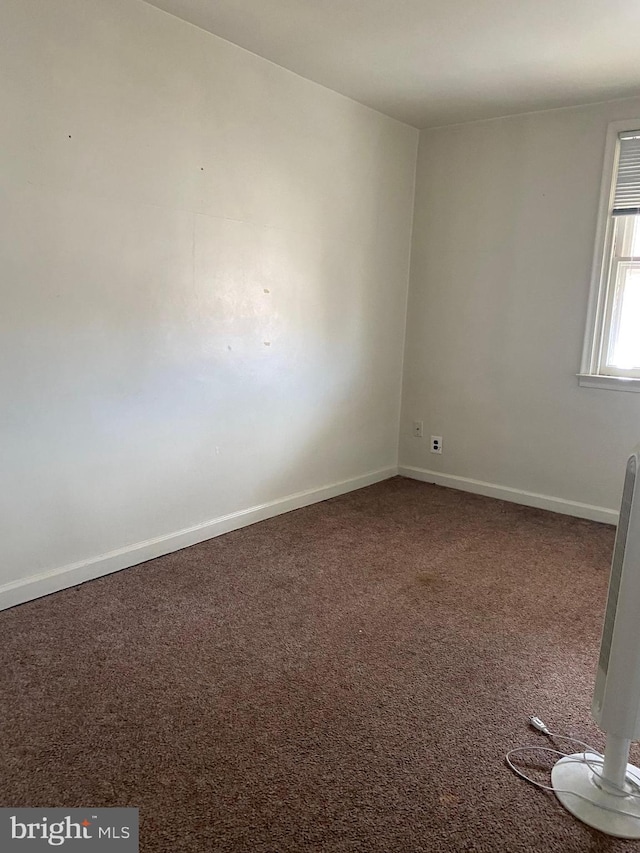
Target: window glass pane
622, 235
626, 236
635, 238
625, 345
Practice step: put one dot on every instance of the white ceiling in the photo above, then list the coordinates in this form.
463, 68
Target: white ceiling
435, 62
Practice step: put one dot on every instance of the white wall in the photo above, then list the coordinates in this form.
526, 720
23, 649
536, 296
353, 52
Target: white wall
204, 263
504, 229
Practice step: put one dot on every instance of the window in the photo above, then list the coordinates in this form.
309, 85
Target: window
611, 356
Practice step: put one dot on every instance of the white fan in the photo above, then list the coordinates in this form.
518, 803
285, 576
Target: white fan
606, 793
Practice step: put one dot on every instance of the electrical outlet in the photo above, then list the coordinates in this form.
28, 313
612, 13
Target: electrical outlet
417, 429
436, 444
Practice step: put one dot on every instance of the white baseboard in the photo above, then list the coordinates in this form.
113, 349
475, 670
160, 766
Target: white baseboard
506, 493
35, 586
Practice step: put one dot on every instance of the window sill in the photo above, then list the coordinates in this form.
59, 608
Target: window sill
609, 383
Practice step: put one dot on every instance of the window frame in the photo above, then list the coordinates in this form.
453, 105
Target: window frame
596, 333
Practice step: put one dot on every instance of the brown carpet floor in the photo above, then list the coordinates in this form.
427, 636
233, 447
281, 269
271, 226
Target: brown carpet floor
346, 677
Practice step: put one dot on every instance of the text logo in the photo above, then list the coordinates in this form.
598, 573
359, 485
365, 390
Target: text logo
80, 830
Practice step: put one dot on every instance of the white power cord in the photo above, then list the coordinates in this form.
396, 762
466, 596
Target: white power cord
537, 723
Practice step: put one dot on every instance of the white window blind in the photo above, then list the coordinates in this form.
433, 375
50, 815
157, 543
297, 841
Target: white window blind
626, 200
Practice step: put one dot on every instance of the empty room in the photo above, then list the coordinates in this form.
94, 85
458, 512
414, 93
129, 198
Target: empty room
319, 370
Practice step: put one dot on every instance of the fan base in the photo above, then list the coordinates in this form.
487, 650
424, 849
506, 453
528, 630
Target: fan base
572, 776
